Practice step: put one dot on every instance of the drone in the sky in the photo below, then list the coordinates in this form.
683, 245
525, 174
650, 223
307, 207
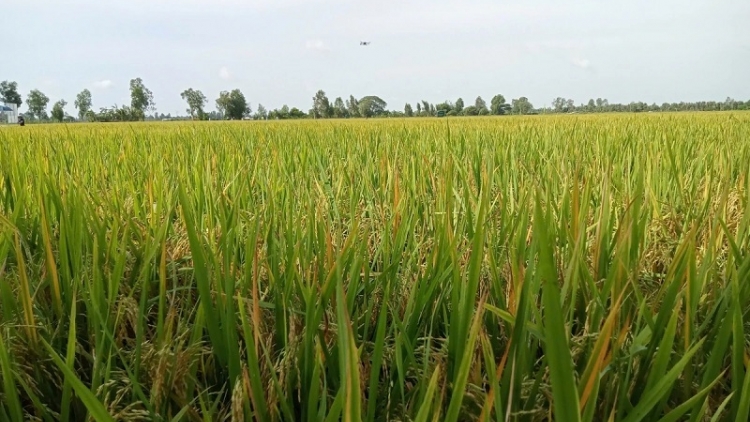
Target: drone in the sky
364, 43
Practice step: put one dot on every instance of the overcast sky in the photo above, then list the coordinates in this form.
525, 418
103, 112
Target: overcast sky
282, 51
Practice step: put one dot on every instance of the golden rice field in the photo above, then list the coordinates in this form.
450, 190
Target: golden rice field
567, 268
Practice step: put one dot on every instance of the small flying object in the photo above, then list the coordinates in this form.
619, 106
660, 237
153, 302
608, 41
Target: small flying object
364, 43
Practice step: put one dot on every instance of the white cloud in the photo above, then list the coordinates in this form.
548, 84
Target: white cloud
317, 45
582, 63
224, 73
103, 84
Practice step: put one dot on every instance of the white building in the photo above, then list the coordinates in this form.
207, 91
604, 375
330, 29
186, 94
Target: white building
9, 114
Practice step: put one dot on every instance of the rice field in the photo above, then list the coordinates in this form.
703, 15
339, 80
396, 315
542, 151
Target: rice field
567, 268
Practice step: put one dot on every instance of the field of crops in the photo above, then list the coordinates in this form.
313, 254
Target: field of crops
569, 268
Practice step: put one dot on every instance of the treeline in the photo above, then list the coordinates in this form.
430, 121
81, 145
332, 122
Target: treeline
232, 105
562, 105
374, 106
141, 101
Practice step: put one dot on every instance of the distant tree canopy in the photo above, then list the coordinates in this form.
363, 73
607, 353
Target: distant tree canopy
458, 107
408, 111
340, 110
83, 103
522, 106
498, 106
37, 103
141, 98
58, 111
9, 93
196, 101
234, 106
371, 106
115, 114
261, 114
481, 107
321, 106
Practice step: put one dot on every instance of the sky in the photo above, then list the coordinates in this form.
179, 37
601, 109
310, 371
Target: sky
282, 51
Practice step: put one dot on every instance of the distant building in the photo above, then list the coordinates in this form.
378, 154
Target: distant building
9, 113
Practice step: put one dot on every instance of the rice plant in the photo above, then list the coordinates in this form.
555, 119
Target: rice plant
569, 268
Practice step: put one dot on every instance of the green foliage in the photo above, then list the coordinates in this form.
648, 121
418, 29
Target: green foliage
563, 105
522, 106
37, 103
9, 93
261, 113
196, 101
83, 103
141, 98
321, 106
498, 106
58, 111
114, 114
408, 111
233, 105
427, 109
444, 107
471, 111
352, 106
459, 106
481, 107
339, 109
371, 106
472, 269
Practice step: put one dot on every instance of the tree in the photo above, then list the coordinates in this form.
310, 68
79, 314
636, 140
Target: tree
471, 111
419, 109
296, 113
58, 110
339, 109
37, 103
9, 93
479, 103
233, 104
459, 106
558, 104
114, 114
499, 106
196, 101
426, 108
321, 105
261, 114
481, 106
371, 106
408, 110
729, 104
352, 106
141, 98
83, 103
522, 106
444, 106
